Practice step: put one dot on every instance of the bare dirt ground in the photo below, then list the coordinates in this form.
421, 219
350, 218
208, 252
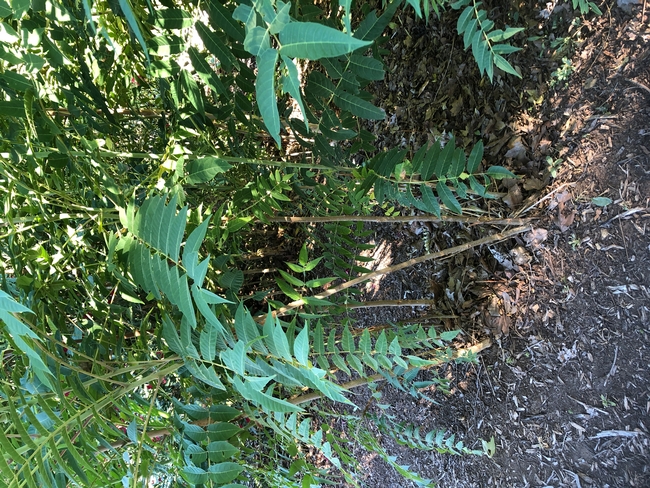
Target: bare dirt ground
565, 387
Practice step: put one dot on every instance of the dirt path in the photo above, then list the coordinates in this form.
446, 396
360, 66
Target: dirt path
565, 390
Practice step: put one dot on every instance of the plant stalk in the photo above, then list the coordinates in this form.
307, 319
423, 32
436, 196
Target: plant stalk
391, 303
475, 349
401, 218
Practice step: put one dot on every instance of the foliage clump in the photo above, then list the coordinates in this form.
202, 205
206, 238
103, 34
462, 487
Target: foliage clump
136, 165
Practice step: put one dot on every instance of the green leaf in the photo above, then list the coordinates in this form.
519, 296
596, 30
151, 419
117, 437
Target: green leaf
429, 200
448, 198
201, 372
291, 85
457, 163
309, 40
449, 335
463, 24
601, 201
312, 264
475, 157
372, 26
364, 342
221, 431
12, 108
204, 169
194, 432
318, 302
235, 358
223, 18
205, 72
5, 9
366, 67
303, 256
219, 451
499, 172
356, 364
267, 402
173, 18
357, 106
340, 363
191, 250
381, 345
301, 346
16, 81
194, 475
265, 93
170, 335
224, 472
291, 279
504, 65
33, 63
257, 40
166, 45
281, 19
318, 282
476, 186
504, 49
244, 13
287, 289
498, 35
281, 342
191, 89
395, 347
196, 454
7, 34
232, 279
134, 25
216, 46
208, 342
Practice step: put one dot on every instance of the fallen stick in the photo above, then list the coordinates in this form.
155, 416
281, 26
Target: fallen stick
501, 236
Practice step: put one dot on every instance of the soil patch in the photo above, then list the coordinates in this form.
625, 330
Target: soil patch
565, 389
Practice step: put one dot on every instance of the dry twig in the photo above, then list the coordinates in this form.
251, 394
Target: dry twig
502, 236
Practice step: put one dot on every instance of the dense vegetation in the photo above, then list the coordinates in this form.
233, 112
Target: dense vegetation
149, 149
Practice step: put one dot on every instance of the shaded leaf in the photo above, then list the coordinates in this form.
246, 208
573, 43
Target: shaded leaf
448, 198
357, 106
265, 92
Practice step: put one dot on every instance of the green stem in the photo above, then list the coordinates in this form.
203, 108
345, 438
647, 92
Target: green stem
380, 377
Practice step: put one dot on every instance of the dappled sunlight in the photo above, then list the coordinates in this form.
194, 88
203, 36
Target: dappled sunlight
382, 256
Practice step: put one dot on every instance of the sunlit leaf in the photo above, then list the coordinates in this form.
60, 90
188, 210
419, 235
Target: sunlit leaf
134, 25
204, 169
309, 40
222, 18
216, 46
173, 18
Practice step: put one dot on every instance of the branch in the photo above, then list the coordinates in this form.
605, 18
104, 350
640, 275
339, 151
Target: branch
502, 236
459, 353
408, 218
391, 303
